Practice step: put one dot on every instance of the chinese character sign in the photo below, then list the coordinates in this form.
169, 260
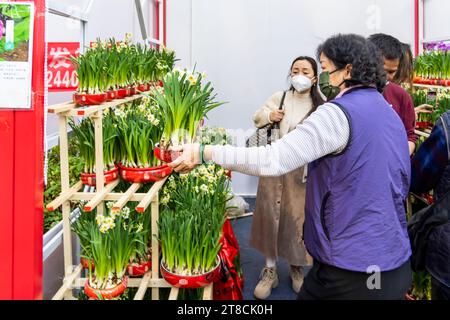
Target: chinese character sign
61, 74
16, 47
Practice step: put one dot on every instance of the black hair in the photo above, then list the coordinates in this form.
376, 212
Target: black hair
315, 95
391, 48
362, 55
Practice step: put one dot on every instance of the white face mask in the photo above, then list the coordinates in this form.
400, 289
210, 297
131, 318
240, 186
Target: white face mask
301, 83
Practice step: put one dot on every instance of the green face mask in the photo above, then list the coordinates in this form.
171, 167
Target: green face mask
329, 91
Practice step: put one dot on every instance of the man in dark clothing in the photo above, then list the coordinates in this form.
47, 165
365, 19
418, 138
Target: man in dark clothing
431, 171
395, 95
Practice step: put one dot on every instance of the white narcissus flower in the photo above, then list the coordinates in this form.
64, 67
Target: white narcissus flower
196, 189
109, 204
99, 219
140, 227
125, 212
204, 188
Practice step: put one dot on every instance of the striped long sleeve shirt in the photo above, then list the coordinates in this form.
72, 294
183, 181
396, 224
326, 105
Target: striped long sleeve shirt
324, 132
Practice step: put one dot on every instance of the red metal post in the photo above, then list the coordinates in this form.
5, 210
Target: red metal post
21, 183
156, 20
416, 27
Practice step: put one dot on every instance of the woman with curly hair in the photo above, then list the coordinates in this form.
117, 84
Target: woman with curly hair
358, 181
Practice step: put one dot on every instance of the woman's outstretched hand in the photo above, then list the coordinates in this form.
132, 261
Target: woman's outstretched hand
189, 158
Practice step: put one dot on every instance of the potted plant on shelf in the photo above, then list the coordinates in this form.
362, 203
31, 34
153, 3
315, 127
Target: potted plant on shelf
112, 243
190, 226
140, 260
92, 75
83, 228
84, 140
183, 102
139, 127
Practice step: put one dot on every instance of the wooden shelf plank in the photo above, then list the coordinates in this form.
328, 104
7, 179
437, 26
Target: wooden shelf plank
143, 286
126, 197
132, 282
75, 110
112, 196
174, 293
208, 292
145, 202
64, 196
421, 133
427, 86
99, 196
67, 283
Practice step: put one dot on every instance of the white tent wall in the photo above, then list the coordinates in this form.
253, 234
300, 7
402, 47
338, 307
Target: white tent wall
246, 47
437, 23
106, 19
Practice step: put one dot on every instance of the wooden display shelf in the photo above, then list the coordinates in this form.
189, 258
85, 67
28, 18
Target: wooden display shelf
431, 87
422, 133
97, 200
71, 109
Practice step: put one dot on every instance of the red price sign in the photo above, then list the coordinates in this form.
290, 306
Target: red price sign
61, 75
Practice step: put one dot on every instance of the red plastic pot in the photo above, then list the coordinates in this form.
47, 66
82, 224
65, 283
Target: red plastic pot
144, 175
136, 270
191, 282
85, 263
165, 155
111, 95
106, 293
84, 99
142, 87
132, 90
88, 179
123, 93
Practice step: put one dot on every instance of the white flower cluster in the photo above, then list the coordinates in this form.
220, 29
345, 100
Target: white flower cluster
152, 119
107, 223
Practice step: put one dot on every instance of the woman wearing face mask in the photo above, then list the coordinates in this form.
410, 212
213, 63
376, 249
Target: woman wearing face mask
358, 177
279, 214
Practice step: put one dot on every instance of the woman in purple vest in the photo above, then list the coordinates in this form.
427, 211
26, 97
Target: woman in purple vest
359, 175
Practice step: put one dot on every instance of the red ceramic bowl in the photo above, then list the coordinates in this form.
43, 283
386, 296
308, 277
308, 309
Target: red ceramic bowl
123, 93
165, 155
144, 175
132, 91
83, 99
191, 282
85, 263
111, 95
136, 270
110, 176
106, 293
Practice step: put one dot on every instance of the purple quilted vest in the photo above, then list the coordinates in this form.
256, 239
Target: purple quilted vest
355, 213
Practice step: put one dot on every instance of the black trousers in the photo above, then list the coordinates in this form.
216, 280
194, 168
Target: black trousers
439, 291
325, 282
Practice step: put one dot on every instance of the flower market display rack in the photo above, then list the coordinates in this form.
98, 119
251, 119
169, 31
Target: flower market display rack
96, 200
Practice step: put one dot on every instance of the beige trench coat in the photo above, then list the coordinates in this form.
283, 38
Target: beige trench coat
277, 229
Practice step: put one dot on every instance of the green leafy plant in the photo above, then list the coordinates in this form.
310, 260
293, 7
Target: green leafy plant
190, 225
139, 129
53, 188
109, 240
84, 137
184, 101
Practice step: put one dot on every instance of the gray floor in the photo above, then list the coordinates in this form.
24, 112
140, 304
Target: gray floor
253, 262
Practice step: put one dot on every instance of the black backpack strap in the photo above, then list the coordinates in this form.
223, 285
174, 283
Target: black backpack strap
282, 101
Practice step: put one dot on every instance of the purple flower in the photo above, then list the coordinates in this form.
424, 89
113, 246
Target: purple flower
1, 30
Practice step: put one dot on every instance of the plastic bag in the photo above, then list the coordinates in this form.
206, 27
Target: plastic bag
237, 206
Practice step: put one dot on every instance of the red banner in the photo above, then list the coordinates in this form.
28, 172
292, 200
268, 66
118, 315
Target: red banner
61, 75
